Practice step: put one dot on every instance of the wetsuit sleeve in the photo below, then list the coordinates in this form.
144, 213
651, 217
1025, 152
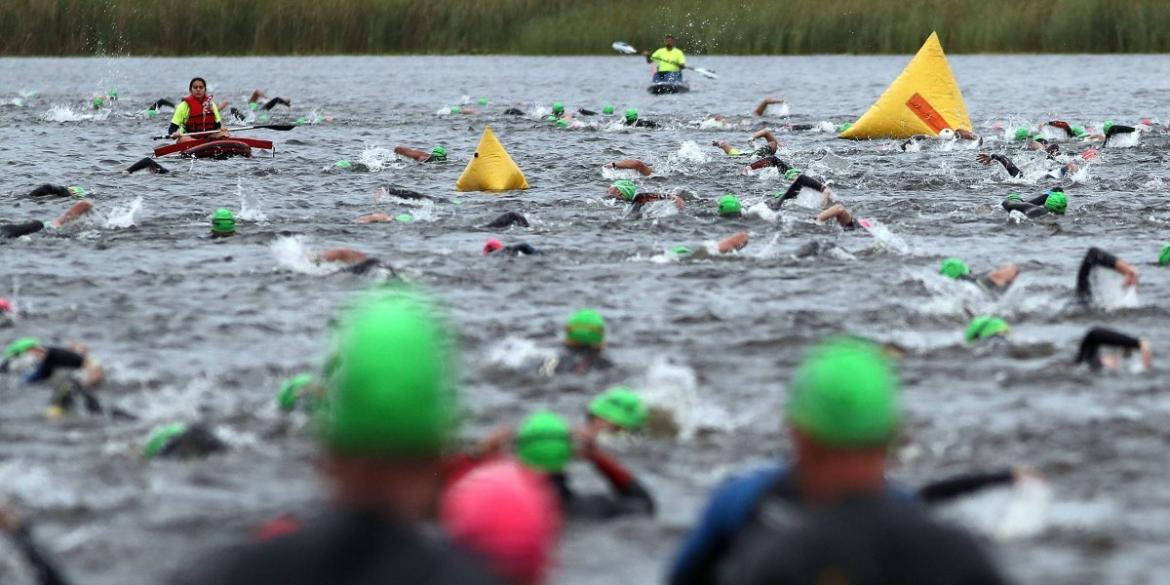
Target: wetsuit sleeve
1039, 200
56, 357
1007, 163
48, 189
182, 112
44, 570
962, 485
1099, 336
1094, 257
274, 102
800, 183
727, 512
15, 230
632, 495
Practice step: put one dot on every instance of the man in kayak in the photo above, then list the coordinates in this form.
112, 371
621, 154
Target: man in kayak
196, 113
437, 154
391, 416
843, 415
671, 61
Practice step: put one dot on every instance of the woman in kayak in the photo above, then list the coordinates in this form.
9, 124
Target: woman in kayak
196, 113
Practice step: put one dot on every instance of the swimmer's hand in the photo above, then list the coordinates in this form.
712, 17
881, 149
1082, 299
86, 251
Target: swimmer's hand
983, 158
177, 135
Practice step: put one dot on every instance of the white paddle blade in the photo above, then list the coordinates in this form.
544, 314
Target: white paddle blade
623, 48
705, 72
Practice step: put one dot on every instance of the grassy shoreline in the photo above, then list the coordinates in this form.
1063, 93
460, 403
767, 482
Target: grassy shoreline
579, 27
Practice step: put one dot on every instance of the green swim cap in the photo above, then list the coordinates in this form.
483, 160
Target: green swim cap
558, 108
1108, 125
627, 188
391, 382
302, 120
954, 268
1022, 134
160, 437
607, 109
223, 221
262, 118
456, 109
985, 327
97, 102
631, 115
112, 94
621, 406
18, 347
562, 123
290, 391
792, 174
844, 127
151, 113
680, 250
544, 443
729, 205
404, 217
845, 394
77, 191
253, 106
1078, 131
343, 164
482, 101
585, 327
1013, 197
439, 153
1164, 257
1056, 202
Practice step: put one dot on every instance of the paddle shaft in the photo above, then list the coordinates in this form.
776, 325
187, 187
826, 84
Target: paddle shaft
281, 127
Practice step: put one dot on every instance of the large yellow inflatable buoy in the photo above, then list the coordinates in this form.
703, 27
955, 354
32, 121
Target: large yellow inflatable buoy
491, 169
924, 99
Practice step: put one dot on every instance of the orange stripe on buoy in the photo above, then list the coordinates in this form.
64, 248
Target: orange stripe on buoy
927, 113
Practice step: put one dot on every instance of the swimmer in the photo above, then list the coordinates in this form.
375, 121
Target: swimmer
462, 110
1053, 202
257, 95
763, 106
57, 191
17, 230
984, 328
770, 147
996, 281
1065, 169
301, 392
800, 181
1097, 257
182, 441
727, 245
842, 215
160, 103
72, 373
514, 112
626, 190
1100, 337
195, 114
632, 119
1112, 130
6, 313
584, 344
494, 247
507, 219
1070, 131
631, 164
223, 223
356, 262
146, 163
729, 206
437, 154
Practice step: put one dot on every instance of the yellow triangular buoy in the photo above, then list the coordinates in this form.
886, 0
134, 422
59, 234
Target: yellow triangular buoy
924, 99
491, 169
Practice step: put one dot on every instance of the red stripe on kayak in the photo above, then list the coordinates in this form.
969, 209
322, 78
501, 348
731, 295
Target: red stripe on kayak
927, 113
181, 146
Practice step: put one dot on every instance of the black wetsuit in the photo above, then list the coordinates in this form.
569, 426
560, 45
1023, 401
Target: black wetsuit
1100, 336
50, 190
1068, 131
15, 230
43, 570
629, 497
863, 540
514, 112
640, 123
1114, 131
345, 547
1032, 208
770, 160
507, 219
579, 360
801, 182
147, 163
401, 193
369, 264
520, 249
1007, 163
1094, 257
274, 102
585, 112
197, 441
162, 102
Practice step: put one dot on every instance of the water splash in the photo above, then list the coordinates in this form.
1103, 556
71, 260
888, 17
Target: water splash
674, 387
63, 114
123, 216
886, 239
250, 209
1109, 292
291, 253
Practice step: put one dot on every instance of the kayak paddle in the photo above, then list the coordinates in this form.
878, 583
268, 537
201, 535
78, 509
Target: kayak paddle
281, 127
627, 49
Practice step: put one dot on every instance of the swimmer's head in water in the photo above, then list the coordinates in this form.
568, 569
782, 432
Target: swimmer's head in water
1078, 131
954, 268
343, 164
1022, 134
20, 347
151, 113
620, 407
631, 115
607, 109
5, 306
76, 191
161, 437
391, 381
845, 394
1108, 125
492, 245
482, 101
985, 327
626, 189
223, 222
113, 94
404, 218
844, 127
1056, 202
1164, 256
729, 205
680, 251
562, 123
98, 102
456, 110
792, 174
291, 389
558, 108
439, 153
585, 328
946, 134
544, 442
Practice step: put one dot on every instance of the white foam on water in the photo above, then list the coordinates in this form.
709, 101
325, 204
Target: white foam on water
674, 387
250, 208
516, 352
1007, 514
780, 110
764, 175
659, 209
378, 158
1108, 292
612, 174
292, 253
809, 199
762, 211
122, 216
690, 152
1127, 140
886, 239
63, 114
713, 124
826, 126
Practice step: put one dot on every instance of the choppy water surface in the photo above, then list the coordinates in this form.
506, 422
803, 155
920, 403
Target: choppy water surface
189, 328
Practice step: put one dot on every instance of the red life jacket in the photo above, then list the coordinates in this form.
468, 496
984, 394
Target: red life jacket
201, 117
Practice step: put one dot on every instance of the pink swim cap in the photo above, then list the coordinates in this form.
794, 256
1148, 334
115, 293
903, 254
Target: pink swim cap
506, 514
5, 306
492, 245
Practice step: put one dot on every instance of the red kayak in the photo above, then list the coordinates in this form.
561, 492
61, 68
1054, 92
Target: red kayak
215, 148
